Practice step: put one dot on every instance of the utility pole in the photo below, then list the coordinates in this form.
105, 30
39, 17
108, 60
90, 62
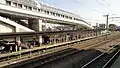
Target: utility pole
96, 28
106, 24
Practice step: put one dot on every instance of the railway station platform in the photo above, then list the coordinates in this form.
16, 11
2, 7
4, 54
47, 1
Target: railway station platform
46, 46
34, 49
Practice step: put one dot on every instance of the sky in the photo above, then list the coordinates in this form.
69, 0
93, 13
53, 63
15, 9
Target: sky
92, 11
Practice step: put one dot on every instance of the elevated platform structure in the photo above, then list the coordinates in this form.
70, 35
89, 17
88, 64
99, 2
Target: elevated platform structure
29, 16
42, 50
34, 11
22, 20
26, 40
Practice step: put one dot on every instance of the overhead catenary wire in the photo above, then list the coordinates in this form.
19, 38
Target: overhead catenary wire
99, 11
105, 6
90, 20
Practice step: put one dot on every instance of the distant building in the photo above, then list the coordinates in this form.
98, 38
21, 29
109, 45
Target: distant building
102, 26
94, 27
118, 28
112, 26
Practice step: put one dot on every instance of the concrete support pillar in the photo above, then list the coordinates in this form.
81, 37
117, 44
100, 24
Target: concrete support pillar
66, 37
40, 40
36, 24
74, 27
18, 43
100, 32
83, 34
94, 33
77, 35
16, 48
54, 39
40, 29
12, 4
16, 29
20, 48
50, 40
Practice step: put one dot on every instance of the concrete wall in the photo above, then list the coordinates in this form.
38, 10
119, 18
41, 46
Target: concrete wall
19, 28
4, 28
2, 1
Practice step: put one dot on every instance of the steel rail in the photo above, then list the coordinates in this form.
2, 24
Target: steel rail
99, 56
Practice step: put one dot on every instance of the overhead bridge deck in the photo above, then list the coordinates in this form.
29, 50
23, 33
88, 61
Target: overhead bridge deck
22, 13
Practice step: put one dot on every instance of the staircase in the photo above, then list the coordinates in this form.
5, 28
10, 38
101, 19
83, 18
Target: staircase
24, 24
16, 24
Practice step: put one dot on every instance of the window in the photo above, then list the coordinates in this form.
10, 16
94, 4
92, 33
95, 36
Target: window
35, 9
63, 16
14, 4
8, 2
25, 6
66, 16
30, 8
77, 19
41, 10
47, 12
58, 15
38, 10
53, 13
70, 17
74, 18
19, 5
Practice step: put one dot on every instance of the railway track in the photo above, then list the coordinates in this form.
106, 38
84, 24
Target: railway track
105, 59
94, 42
112, 38
82, 56
58, 55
